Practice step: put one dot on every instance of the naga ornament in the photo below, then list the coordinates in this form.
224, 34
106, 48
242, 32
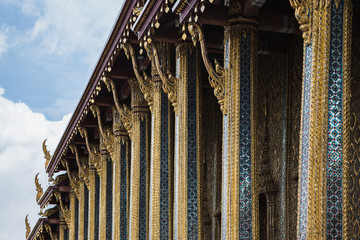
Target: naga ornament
28, 229
39, 189
217, 75
168, 80
47, 155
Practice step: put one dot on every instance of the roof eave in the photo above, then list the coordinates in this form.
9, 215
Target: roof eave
113, 39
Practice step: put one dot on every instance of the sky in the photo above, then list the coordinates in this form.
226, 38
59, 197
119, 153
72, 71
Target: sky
48, 50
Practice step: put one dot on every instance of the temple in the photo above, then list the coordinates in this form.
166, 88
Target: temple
214, 119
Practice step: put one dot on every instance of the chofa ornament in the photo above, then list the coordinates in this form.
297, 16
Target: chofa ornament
28, 229
47, 155
39, 189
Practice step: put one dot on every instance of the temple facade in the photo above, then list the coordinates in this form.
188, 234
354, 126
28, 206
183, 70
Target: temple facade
214, 119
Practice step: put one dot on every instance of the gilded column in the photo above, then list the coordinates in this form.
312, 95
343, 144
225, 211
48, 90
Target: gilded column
85, 224
97, 205
92, 197
73, 220
240, 183
63, 230
105, 196
220, 81
64, 215
108, 155
140, 159
82, 209
82, 203
92, 181
324, 159
160, 212
188, 146
120, 152
121, 174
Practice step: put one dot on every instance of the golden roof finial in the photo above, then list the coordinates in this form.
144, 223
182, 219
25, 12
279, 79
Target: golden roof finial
47, 155
28, 229
38, 188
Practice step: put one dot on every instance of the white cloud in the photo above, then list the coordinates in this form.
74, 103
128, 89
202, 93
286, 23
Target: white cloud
21, 134
66, 27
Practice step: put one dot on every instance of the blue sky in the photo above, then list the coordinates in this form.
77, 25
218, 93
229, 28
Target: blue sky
48, 50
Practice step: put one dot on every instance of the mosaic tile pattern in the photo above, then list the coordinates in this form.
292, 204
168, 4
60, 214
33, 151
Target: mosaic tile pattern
142, 194
192, 212
123, 192
164, 168
176, 176
109, 198
66, 234
225, 169
304, 162
334, 159
245, 196
97, 206
283, 164
225, 160
86, 213
176, 159
76, 218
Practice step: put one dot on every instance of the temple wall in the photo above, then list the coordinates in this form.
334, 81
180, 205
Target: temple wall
271, 155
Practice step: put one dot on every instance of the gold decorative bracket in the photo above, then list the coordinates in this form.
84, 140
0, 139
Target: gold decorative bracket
217, 76
74, 150
302, 15
107, 134
39, 189
49, 212
81, 162
124, 111
53, 236
47, 155
73, 179
65, 209
168, 80
92, 148
94, 152
143, 79
96, 113
28, 228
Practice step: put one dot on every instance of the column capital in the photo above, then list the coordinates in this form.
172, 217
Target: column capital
139, 106
302, 15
